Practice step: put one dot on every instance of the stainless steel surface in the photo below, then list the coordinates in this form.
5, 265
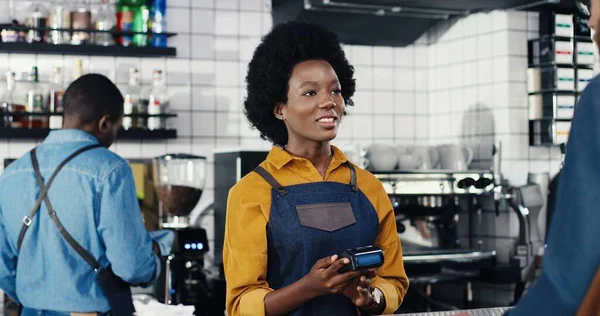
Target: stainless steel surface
494, 311
448, 255
438, 182
168, 280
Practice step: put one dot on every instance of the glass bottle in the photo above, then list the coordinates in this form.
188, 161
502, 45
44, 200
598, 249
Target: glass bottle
132, 102
35, 101
37, 17
81, 19
159, 23
55, 102
125, 13
157, 101
105, 21
141, 22
9, 103
59, 18
78, 70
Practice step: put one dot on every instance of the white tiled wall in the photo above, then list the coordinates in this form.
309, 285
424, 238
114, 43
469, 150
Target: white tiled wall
477, 90
215, 41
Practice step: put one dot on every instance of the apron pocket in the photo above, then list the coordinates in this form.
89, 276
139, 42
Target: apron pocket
326, 216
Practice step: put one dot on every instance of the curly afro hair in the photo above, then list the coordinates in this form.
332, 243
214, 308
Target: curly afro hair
272, 64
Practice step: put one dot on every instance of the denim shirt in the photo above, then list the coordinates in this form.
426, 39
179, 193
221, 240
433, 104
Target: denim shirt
95, 199
572, 254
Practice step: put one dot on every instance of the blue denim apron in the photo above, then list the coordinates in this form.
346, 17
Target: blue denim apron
309, 222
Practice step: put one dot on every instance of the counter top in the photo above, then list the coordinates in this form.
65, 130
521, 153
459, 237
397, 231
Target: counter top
494, 311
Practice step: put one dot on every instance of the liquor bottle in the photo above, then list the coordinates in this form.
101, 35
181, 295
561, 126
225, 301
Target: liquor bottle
35, 101
37, 17
55, 102
81, 19
78, 70
9, 104
158, 102
132, 102
59, 18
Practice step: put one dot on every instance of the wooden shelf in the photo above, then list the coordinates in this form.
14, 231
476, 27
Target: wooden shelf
130, 134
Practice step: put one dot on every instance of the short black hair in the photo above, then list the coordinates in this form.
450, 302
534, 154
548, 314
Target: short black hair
272, 64
92, 96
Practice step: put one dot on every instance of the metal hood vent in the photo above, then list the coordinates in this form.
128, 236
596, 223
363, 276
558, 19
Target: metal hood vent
393, 22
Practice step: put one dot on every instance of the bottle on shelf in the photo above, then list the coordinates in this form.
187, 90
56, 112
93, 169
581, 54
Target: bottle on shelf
37, 17
55, 102
141, 21
35, 101
125, 13
132, 103
10, 104
81, 19
78, 70
59, 18
158, 102
159, 23
105, 21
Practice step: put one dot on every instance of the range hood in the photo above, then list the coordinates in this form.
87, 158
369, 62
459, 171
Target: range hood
394, 22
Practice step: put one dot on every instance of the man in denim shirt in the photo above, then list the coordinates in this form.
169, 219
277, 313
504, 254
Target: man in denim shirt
572, 255
94, 198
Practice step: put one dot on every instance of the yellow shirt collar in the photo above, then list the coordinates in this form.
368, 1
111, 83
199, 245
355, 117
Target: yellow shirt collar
278, 157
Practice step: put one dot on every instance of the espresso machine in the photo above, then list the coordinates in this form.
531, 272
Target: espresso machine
179, 180
427, 205
435, 210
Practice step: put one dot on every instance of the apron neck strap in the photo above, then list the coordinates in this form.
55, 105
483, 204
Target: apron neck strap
281, 190
352, 177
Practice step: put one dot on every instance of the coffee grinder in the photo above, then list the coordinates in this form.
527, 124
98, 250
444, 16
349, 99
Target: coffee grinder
179, 180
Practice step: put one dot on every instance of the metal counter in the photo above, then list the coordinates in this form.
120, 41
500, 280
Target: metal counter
494, 311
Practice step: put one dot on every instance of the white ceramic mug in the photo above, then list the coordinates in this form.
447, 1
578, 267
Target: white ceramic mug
356, 153
415, 157
455, 157
382, 157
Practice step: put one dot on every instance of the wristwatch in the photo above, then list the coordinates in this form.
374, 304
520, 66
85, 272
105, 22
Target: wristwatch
377, 295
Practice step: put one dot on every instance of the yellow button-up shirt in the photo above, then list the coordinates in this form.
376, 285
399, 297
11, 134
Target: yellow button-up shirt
248, 208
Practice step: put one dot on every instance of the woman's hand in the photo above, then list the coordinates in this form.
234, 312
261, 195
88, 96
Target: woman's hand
359, 292
324, 278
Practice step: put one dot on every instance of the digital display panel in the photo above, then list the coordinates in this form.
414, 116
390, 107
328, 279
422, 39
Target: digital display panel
369, 259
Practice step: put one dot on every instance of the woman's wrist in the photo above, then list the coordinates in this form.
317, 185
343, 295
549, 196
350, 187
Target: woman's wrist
306, 288
376, 302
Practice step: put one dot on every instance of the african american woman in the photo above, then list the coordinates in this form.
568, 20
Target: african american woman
306, 203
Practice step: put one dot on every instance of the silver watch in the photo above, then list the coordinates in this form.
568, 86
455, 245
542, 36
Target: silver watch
377, 295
